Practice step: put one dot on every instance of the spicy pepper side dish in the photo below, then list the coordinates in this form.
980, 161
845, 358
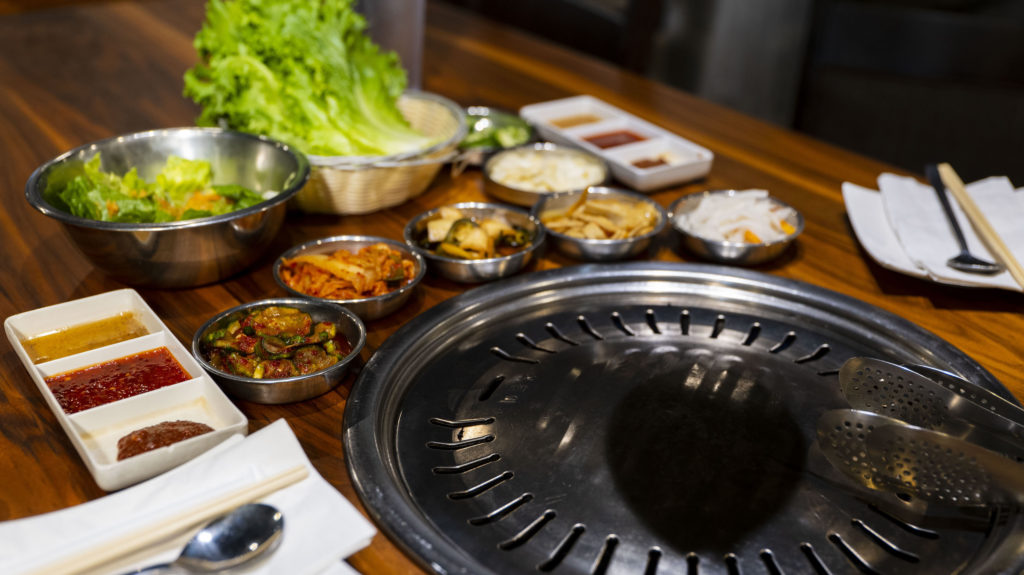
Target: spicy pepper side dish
372, 271
274, 342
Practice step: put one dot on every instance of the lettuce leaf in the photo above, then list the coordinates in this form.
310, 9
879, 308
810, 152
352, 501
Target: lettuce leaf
303, 72
181, 190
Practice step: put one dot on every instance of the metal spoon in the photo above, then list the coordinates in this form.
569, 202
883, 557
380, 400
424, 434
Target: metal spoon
965, 261
228, 541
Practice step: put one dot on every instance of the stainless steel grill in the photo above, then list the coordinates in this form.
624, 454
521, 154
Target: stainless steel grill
642, 418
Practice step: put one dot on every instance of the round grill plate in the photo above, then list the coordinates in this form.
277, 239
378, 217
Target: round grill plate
641, 418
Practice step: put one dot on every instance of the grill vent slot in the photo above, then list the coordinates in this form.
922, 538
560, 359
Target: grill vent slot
653, 557
491, 388
481, 487
525, 340
859, 562
557, 334
884, 543
467, 466
768, 558
617, 320
503, 511
752, 333
604, 558
812, 556
529, 531
563, 548
719, 326
587, 328
652, 321
509, 357
785, 343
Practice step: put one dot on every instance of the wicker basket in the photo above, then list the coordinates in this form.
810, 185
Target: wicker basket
343, 185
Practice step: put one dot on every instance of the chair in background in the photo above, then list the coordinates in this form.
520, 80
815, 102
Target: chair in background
906, 81
919, 81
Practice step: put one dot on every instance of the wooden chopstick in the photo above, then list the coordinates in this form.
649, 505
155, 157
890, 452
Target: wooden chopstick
981, 225
188, 518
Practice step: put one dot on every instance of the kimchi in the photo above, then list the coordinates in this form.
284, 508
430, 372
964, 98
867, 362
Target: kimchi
372, 271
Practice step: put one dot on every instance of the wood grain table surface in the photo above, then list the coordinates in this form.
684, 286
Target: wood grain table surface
73, 74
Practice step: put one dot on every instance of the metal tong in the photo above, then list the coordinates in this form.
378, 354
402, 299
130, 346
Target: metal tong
927, 434
886, 454
936, 400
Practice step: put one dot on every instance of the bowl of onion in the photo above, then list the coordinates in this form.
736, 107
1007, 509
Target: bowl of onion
739, 227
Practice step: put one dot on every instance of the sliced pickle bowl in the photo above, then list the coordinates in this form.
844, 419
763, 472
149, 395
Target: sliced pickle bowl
285, 389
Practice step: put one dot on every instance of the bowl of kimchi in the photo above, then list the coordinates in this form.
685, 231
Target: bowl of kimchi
370, 276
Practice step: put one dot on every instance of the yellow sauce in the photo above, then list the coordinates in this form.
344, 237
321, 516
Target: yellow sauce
83, 337
577, 120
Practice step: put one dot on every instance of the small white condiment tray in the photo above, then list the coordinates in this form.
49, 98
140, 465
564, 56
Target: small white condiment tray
683, 160
94, 432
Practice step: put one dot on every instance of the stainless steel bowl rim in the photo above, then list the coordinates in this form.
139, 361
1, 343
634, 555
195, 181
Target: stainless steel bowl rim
421, 267
550, 147
402, 158
538, 236
35, 198
663, 215
357, 346
674, 207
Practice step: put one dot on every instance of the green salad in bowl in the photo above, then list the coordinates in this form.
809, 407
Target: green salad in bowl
182, 190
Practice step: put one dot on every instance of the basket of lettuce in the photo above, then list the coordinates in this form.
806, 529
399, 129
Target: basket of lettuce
307, 73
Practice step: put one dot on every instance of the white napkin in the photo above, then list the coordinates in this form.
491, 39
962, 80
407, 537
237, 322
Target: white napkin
321, 526
914, 216
871, 226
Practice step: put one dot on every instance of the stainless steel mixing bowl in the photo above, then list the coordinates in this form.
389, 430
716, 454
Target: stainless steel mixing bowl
189, 252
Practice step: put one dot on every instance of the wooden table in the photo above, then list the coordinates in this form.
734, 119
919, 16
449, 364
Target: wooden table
70, 75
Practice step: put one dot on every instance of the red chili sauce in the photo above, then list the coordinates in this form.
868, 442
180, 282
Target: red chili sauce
117, 379
160, 435
646, 163
616, 138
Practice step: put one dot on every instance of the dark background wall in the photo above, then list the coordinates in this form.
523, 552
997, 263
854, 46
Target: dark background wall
905, 81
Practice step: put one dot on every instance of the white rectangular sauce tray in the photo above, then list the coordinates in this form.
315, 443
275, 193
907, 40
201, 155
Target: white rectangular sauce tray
678, 159
95, 432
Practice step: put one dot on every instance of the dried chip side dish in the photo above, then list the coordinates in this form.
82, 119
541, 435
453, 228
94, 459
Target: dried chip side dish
598, 218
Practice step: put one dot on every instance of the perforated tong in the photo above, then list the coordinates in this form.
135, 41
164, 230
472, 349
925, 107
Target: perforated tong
926, 433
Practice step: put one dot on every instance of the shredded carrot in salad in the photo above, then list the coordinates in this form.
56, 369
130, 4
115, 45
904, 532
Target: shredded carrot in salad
372, 271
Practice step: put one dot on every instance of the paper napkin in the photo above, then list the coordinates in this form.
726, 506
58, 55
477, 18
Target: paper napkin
321, 526
903, 227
